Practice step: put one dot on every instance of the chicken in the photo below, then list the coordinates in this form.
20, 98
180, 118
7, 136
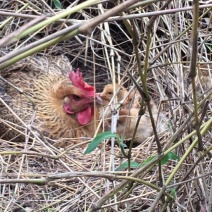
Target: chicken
134, 99
127, 120
128, 114
108, 93
131, 99
63, 105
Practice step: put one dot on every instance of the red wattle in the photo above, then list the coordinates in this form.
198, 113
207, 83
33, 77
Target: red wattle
85, 116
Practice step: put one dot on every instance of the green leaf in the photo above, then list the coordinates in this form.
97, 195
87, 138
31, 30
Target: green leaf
124, 165
169, 156
166, 158
121, 142
173, 192
148, 160
98, 139
57, 4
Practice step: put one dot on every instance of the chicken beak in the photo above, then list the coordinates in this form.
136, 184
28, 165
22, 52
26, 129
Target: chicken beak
98, 100
102, 95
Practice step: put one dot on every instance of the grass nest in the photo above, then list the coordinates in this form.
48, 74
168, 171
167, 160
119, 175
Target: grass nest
158, 44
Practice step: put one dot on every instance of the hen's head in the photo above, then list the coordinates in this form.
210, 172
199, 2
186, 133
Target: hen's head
78, 97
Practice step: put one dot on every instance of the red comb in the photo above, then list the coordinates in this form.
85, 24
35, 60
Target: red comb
77, 80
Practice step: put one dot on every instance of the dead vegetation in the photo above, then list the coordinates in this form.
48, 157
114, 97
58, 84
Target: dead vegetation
157, 43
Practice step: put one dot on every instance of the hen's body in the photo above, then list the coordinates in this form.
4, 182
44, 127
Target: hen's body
42, 103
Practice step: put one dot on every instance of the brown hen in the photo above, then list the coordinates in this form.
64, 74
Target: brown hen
63, 104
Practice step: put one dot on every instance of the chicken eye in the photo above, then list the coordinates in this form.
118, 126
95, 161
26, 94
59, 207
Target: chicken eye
76, 98
110, 93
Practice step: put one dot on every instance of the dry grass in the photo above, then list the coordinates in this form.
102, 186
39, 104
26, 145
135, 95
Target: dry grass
90, 183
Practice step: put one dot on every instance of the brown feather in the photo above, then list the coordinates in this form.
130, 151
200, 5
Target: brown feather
44, 93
